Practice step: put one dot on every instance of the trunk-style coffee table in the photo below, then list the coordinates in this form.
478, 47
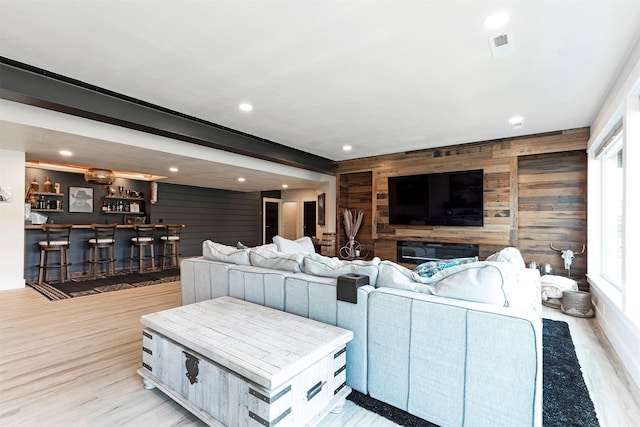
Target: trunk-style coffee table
234, 363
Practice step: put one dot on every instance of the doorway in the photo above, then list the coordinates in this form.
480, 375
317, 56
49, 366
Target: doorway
270, 219
309, 219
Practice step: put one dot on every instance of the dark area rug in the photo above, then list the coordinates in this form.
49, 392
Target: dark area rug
82, 287
565, 401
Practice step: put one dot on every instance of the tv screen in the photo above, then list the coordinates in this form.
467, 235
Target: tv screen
449, 198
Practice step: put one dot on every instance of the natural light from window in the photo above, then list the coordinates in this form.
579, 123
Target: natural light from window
612, 196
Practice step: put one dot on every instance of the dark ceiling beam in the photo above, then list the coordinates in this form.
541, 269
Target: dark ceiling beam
33, 86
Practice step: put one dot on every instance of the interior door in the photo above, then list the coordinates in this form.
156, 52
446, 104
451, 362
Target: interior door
290, 220
309, 218
271, 220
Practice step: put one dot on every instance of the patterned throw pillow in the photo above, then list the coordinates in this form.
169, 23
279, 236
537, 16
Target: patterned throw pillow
428, 269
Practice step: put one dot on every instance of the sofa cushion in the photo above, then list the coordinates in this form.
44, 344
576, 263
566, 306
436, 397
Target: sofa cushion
480, 282
301, 245
219, 252
509, 255
268, 258
428, 269
324, 266
392, 275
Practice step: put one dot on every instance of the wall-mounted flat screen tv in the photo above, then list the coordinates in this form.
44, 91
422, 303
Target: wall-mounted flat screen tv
449, 198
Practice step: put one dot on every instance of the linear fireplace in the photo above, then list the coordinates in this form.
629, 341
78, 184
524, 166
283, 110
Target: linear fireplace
419, 252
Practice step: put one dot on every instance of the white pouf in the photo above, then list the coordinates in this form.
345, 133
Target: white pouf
552, 288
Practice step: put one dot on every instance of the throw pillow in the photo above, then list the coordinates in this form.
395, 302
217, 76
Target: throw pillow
219, 252
509, 255
268, 258
480, 282
318, 265
301, 245
428, 269
392, 275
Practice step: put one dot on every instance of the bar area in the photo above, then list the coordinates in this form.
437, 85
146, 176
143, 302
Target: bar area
83, 202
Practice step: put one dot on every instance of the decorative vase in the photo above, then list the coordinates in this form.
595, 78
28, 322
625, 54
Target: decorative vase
35, 185
48, 186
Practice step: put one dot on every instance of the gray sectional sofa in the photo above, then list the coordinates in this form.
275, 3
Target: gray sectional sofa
463, 347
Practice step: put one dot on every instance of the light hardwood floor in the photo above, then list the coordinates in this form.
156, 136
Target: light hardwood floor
73, 363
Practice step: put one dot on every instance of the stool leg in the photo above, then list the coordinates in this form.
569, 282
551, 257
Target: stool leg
41, 267
92, 261
176, 252
113, 260
153, 259
142, 252
164, 253
67, 263
47, 256
62, 265
131, 260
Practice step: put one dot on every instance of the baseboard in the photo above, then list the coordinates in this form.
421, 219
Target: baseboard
621, 332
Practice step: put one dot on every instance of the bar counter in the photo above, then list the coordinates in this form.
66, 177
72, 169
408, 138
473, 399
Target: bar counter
79, 248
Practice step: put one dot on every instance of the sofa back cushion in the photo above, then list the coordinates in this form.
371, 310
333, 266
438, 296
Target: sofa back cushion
303, 245
319, 265
479, 282
268, 258
219, 252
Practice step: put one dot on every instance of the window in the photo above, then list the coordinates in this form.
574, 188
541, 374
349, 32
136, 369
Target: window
612, 198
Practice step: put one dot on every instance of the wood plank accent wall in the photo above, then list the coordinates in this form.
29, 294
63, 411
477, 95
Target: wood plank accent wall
552, 207
356, 193
504, 205
219, 215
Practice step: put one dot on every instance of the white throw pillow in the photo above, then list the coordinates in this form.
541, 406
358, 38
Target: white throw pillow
480, 282
318, 265
509, 255
219, 252
301, 245
268, 258
392, 275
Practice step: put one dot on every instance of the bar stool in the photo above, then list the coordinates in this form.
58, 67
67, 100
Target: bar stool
57, 240
144, 238
104, 239
171, 240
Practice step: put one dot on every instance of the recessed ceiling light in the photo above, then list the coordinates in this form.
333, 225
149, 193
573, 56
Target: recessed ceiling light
241, 179
285, 186
516, 122
65, 153
173, 169
246, 107
496, 20
347, 148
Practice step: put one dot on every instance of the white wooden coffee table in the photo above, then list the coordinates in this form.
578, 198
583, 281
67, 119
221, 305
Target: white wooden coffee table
234, 363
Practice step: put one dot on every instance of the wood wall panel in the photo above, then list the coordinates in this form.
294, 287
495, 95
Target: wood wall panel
534, 189
219, 215
356, 193
552, 208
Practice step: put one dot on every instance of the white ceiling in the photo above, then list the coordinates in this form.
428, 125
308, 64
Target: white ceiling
382, 76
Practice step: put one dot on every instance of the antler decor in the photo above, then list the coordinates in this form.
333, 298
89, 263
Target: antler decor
568, 255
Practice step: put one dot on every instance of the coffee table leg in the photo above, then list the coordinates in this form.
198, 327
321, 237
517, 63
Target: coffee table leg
148, 385
339, 408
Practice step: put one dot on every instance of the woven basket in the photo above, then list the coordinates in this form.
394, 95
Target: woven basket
553, 302
577, 304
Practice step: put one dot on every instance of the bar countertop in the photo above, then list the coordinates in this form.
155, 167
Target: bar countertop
86, 226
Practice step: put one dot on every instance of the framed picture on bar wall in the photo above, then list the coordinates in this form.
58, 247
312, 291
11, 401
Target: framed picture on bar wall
321, 208
80, 199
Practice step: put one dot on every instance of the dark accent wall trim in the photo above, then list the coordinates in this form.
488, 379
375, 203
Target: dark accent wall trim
34, 86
